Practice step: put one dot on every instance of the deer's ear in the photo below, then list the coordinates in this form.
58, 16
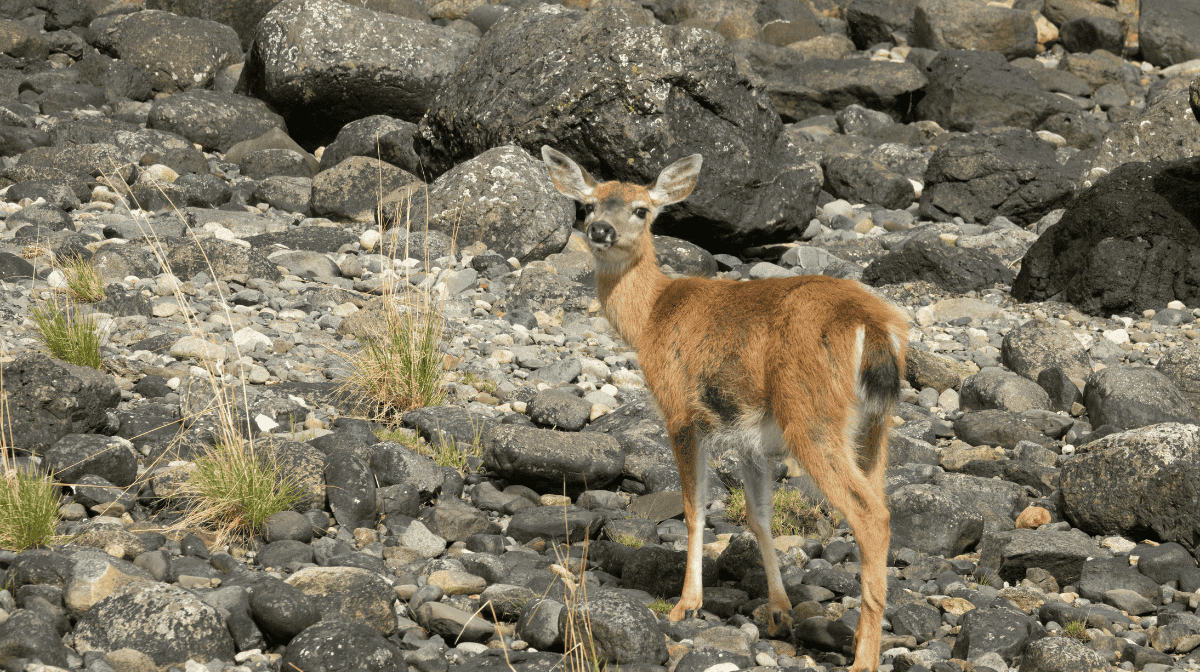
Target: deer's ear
676, 181
570, 180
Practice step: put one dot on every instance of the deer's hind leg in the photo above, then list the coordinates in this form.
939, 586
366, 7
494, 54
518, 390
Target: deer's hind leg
757, 470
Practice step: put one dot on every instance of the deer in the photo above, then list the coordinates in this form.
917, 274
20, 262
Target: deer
807, 366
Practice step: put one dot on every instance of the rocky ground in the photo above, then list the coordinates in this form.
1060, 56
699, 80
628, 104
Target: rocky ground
1020, 180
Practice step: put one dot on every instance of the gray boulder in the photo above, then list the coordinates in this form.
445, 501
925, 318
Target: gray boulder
1133, 396
167, 623
378, 136
1038, 345
622, 630
873, 21
1137, 481
300, 64
547, 458
549, 72
241, 15
1181, 364
1057, 654
1012, 553
932, 520
1010, 173
1130, 242
1167, 32
343, 645
178, 52
355, 188
215, 120
996, 388
955, 269
503, 197
970, 24
1164, 131
109, 457
825, 86
979, 89
48, 399
349, 594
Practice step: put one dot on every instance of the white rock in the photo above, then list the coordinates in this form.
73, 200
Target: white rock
369, 239
594, 367
1052, 138
1176, 305
1118, 544
195, 346
247, 338
264, 423
1117, 336
625, 379
838, 207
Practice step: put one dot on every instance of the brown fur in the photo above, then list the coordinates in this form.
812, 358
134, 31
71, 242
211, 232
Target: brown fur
719, 354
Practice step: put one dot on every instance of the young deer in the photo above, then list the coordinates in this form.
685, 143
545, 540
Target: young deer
807, 366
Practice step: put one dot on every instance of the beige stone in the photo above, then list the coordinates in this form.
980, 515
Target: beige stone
1033, 517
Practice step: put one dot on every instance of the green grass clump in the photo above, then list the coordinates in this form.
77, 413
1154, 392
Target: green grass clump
660, 606
793, 514
400, 368
628, 540
447, 453
1076, 630
235, 488
83, 282
29, 505
68, 335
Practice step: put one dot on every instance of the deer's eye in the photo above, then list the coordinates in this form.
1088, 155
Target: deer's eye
589, 208
641, 213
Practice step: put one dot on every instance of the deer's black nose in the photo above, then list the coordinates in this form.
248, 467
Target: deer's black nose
602, 233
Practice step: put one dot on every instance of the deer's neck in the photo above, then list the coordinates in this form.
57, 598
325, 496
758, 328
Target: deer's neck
628, 293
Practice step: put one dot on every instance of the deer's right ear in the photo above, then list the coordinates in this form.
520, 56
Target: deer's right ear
570, 180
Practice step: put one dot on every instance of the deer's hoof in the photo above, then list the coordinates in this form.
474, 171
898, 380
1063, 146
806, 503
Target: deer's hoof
779, 623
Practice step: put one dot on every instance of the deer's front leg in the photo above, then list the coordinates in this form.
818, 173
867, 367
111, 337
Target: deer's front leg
689, 457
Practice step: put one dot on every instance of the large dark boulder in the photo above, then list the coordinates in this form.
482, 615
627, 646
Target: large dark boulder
323, 63
1139, 483
969, 24
873, 21
624, 102
177, 52
1164, 131
980, 89
1134, 396
167, 623
48, 399
241, 15
955, 269
1129, 243
824, 86
1167, 31
982, 175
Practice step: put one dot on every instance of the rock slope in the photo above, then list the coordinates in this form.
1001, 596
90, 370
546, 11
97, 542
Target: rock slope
250, 177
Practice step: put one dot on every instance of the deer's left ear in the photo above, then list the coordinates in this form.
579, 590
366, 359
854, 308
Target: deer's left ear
676, 181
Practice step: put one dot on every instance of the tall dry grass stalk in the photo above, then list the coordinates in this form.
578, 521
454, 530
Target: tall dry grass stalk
399, 367
235, 484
